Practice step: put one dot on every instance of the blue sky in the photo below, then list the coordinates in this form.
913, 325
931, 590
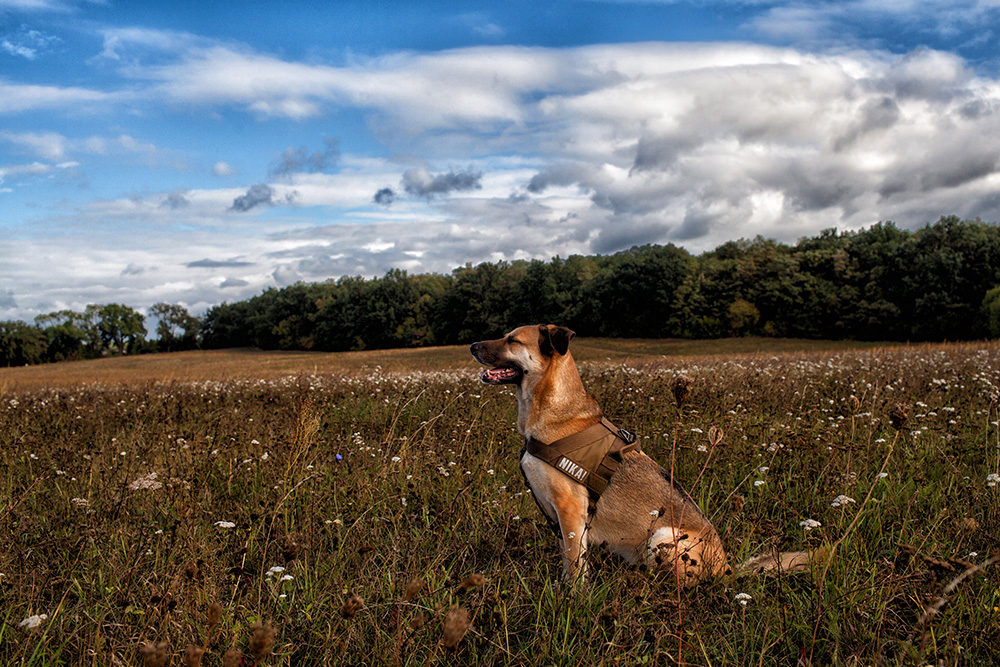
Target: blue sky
200, 152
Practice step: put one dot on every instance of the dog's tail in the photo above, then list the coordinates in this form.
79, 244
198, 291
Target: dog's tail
784, 561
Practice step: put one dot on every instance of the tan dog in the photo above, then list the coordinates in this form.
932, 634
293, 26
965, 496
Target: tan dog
642, 514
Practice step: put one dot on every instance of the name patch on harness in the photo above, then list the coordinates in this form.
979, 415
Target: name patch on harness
573, 470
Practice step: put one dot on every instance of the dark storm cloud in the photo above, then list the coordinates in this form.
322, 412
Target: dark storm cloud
420, 183
233, 282
216, 264
384, 197
298, 159
258, 194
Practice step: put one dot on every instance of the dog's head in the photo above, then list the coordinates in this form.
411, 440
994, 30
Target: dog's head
526, 352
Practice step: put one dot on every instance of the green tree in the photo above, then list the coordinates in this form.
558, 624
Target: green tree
21, 344
121, 328
991, 312
177, 329
71, 335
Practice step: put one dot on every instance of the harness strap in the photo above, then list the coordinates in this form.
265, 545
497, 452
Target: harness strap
590, 456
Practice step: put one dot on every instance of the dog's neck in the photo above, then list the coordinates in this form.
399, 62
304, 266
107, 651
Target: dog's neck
556, 404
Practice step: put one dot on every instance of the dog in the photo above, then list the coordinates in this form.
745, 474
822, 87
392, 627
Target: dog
642, 514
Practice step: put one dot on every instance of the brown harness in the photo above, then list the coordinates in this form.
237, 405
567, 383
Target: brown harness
589, 457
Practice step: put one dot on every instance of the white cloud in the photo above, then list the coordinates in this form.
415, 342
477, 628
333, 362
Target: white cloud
18, 98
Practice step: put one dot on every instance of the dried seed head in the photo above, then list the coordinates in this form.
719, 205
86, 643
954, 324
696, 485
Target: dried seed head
680, 387
854, 404
154, 654
192, 656
418, 622
898, 415
261, 640
232, 658
352, 606
214, 614
970, 525
472, 581
413, 589
456, 624
715, 435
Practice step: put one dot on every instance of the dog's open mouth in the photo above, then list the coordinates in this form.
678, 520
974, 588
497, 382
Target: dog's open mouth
501, 375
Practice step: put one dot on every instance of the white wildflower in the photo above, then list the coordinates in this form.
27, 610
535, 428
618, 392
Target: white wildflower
992, 479
841, 500
396, 459
809, 524
759, 482
743, 598
147, 483
33, 622
225, 524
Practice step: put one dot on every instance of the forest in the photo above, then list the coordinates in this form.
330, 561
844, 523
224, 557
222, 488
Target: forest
940, 282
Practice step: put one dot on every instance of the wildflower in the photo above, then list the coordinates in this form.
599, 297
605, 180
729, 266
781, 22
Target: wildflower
883, 475
396, 459
473, 581
147, 483
225, 524
275, 569
809, 524
759, 482
992, 479
339, 457
80, 502
33, 622
265, 456
743, 598
841, 500
154, 654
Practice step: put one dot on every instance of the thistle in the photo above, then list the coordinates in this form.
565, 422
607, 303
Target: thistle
898, 415
261, 641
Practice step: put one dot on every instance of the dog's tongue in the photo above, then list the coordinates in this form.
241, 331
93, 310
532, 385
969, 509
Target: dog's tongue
494, 375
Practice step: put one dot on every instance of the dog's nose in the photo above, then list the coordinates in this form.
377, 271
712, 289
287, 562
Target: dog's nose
475, 347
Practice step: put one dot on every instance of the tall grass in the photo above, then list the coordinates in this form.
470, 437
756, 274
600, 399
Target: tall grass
379, 517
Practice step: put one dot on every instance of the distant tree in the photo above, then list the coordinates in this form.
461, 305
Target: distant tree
120, 327
177, 329
71, 335
991, 312
21, 344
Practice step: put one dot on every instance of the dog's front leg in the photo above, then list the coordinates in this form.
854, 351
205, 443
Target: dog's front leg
572, 515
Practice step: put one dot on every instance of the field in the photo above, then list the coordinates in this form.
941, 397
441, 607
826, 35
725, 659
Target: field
367, 509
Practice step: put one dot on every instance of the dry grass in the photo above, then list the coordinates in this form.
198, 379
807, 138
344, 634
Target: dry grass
378, 516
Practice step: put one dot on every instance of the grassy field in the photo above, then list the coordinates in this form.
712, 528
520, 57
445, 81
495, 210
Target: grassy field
367, 509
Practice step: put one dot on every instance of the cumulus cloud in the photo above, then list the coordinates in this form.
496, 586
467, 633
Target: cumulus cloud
176, 199
384, 197
259, 194
300, 159
222, 170
421, 183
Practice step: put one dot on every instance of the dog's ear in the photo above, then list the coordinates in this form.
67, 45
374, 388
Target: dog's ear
554, 339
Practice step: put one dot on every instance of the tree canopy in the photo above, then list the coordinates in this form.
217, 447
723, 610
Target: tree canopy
940, 282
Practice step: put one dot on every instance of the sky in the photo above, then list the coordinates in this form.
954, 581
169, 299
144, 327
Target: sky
196, 153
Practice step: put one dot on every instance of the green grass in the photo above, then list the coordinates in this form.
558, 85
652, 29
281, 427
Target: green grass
427, 489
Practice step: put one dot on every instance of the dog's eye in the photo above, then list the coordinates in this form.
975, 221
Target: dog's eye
512, 341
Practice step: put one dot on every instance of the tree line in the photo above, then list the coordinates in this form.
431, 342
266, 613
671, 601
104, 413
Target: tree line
941, 282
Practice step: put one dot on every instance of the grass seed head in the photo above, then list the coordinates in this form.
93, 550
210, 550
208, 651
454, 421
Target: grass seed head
854, 404
193, 655
352, 606
214, 614
898, 415
680, 387
456, 624
261, 640
232, 658
154, 654
472, 581
715, 435
413, 589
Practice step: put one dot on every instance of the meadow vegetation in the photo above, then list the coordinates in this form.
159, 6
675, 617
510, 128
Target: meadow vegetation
363, 510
